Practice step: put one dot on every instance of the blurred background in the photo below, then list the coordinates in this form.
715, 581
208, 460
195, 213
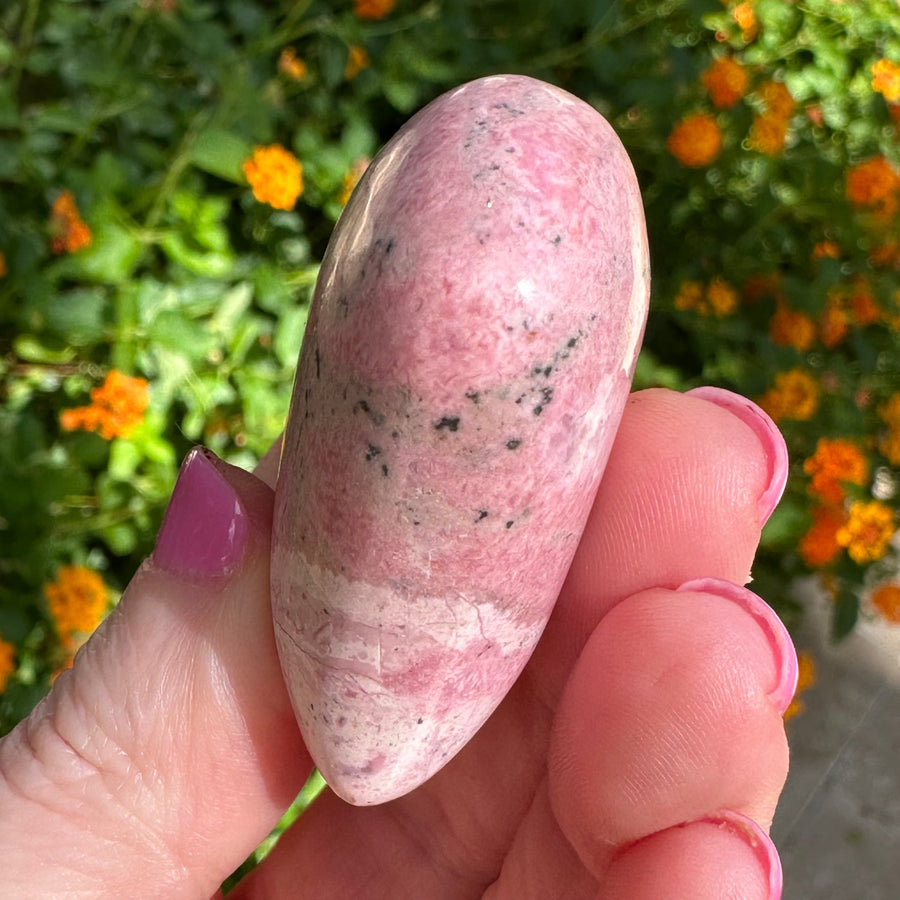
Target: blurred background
170, 172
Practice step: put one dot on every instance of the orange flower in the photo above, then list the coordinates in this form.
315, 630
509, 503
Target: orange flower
117, 407
826, 250
794, 395
788, 328
867, 531
819, 546
890, 412
7, 663
889, 445
78, 600
373, 9
726, 81
718, 298
886, 79
745, 16
768, 134
357, 60
886, 255
835, 322
863, 308
761, 285
291, 65
886, 599
68, 230
874, 184
275, 175
777, 99
695, 141
806, 678
835, 462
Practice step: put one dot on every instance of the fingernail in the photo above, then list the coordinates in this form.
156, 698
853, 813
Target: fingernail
769, 436
773, 628
759, 842
204, 531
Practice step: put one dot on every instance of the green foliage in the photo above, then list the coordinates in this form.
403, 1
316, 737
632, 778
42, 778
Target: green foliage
146, 110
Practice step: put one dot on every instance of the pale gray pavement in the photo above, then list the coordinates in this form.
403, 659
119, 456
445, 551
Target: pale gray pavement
838, 825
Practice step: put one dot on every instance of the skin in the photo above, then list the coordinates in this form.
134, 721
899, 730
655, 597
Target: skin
170, 749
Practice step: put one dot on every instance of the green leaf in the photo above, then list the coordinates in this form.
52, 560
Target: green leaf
844, 614
221, 153
289, 335
113, 254
30, 348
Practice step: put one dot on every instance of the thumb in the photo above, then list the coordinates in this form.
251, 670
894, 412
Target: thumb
170, 749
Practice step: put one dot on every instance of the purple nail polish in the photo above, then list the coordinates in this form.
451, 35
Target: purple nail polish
204, 531
774, 629
767, 432
748, 831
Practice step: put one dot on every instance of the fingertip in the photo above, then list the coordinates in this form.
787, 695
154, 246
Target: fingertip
722, 855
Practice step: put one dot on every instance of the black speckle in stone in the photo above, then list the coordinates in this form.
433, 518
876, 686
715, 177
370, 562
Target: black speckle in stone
474, 396
538, 410
388, 247
450, 423
557, 240
510, 149
509, 523
546, 394
512, 444
395, 434
482, 514
385, 470
318, 364
419, 721
371, 452
572, 342
547, 371
362, 406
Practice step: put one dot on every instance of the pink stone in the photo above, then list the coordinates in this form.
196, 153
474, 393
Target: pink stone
469, 351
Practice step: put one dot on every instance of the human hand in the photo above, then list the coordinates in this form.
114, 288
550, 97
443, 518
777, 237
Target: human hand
629, 761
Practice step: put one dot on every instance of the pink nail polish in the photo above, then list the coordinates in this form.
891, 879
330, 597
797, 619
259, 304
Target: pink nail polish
748, 831
767, 432
204, 532
779, 638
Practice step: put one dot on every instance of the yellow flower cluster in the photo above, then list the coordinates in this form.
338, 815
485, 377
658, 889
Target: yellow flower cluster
275, 176
291, 66
7, 663
886, 80
868, 530
794, 395
77, 600
117, 407
718, 298
695, 141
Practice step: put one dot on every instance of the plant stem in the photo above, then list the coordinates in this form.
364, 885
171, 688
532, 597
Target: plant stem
23, 46
176, 169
